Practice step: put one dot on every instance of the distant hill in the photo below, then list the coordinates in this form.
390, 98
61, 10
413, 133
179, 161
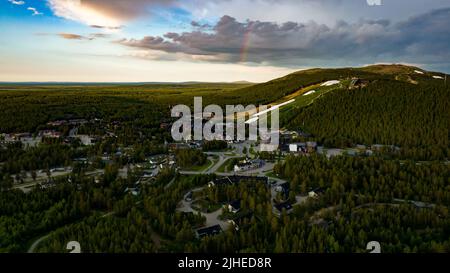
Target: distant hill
398, 105
286, 85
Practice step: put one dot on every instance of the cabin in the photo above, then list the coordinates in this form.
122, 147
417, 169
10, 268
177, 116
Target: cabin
300, 147
236, 179
280, 207
241, 220
247, 165
234, 206
283, 189
315, 193
132, 191
311, 146
208, 231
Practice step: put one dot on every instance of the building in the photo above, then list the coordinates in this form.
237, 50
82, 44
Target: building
311, 146
298, 147
334, 152
234, 206
312, 194
57, 123
86, 140
189, 197
241, 220
280, 207
208, 231
264, 147
50, 134
132, 191
236, 179
284, 189
315, 192
30, 141
247, 165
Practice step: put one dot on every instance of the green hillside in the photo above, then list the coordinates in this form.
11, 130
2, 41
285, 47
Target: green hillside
397, 105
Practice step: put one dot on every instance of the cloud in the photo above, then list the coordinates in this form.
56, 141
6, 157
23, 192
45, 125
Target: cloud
423, 38
14, 2
99, 35
71, 36
321, 11
35, 11
103, 13
106, 27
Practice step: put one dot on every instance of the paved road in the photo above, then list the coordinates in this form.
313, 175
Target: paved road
36, 243
29, 184
212, 218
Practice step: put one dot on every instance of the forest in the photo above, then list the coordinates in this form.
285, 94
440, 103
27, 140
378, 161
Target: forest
190, 157
413, 117
332, 223
399, 195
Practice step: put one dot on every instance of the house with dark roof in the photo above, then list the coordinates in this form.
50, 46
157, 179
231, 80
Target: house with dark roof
236, 179
241, 220
280, 207
234, 206
284, 189
208, 231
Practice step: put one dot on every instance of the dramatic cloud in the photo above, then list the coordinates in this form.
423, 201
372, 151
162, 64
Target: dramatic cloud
321, 11
103, 13
116, 13
19, 3
421, 39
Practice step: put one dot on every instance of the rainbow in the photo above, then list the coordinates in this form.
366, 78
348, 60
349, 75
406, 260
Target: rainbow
246, 43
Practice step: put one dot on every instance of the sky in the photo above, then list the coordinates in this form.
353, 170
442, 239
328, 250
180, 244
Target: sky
215, 40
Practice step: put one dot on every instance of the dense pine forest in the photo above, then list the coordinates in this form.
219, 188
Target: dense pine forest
414, 117
398, 194
343, 219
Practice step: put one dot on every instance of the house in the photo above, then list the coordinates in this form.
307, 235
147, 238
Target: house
422, 205
312, 194
30, 141
267, 147
293, 148
236, 179
334, 152
311, 146
316, 192
86, 140
77, 121
352, 152
133, 191
283, 189
234, 206
241, 220
189, 197
247, 165
280, 207
298, 147
56, 123
208, 231
220, 182
361, 147
50, 134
